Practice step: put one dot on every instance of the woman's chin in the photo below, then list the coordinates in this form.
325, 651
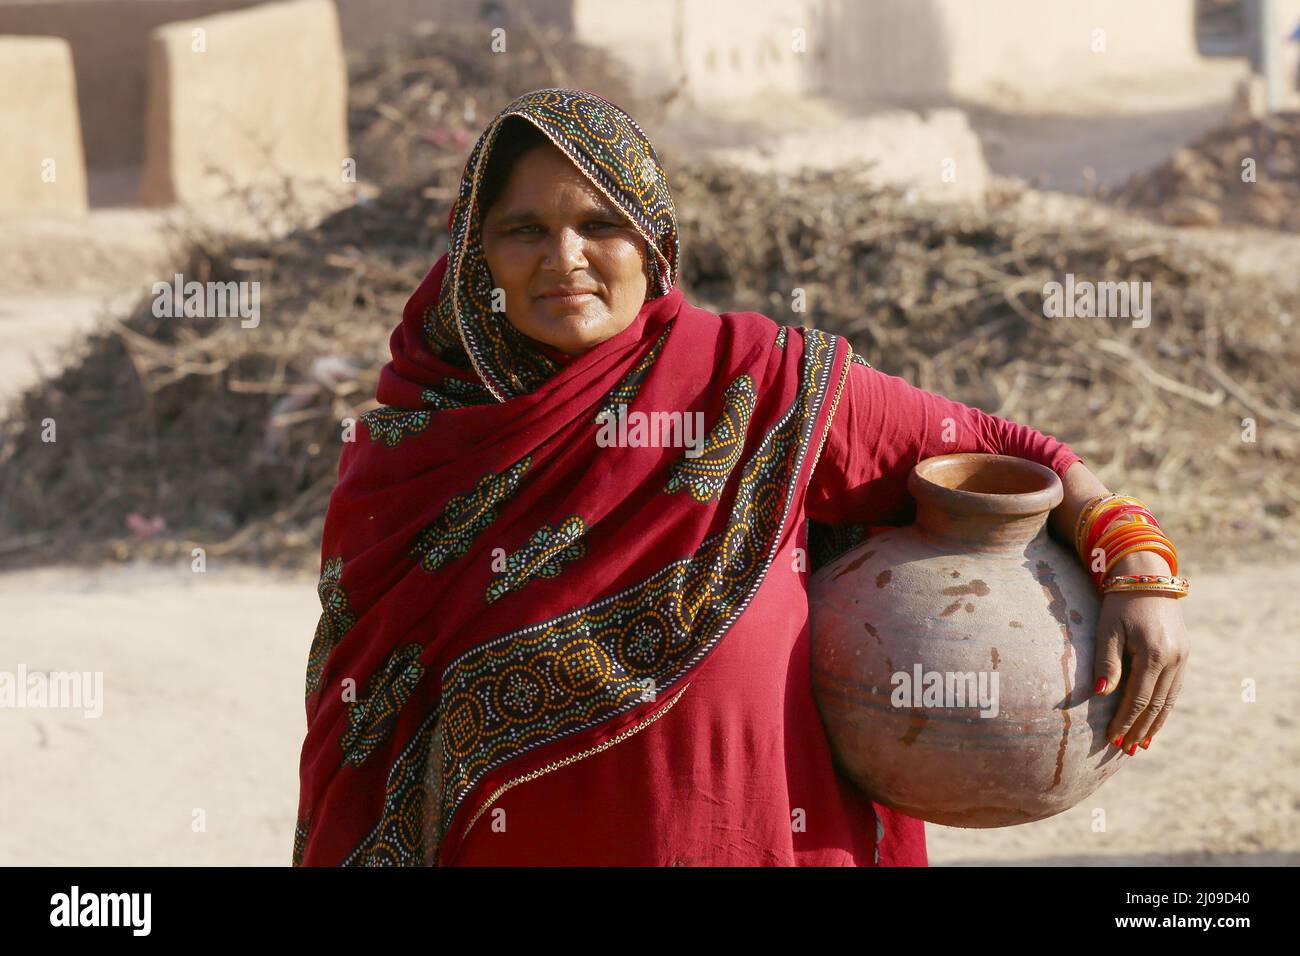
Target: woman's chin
575, 333
576, 345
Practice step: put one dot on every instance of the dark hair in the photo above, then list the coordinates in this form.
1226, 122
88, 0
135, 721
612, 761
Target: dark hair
516, 137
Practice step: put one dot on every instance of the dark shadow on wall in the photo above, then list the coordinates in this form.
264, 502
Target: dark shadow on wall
872, 59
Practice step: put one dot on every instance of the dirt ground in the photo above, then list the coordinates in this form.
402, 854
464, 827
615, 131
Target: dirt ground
202, 710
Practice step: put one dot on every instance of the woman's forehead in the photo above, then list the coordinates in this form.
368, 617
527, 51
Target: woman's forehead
545, 182
556, 204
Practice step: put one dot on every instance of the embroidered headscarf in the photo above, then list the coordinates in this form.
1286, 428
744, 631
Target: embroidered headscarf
523, 561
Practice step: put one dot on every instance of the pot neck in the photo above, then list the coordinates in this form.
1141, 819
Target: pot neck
977, 502
966, 532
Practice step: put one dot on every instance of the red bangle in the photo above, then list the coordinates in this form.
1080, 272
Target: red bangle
1094, 509
1085, 517
1107, 519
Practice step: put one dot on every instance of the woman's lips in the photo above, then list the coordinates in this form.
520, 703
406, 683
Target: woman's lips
577, 298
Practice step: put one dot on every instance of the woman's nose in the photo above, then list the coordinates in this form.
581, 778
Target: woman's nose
565, 251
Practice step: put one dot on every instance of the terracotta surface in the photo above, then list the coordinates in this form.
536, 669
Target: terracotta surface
975, 587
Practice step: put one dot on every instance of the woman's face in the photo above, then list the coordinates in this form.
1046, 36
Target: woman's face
553, 232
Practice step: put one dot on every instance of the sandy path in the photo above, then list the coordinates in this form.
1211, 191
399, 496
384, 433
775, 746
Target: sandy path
203, 709
203, 677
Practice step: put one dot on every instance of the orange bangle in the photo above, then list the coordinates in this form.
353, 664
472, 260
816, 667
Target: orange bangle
1109, 544
1125, 536
1125, 530
1117, 519
1118, 549
1155, 546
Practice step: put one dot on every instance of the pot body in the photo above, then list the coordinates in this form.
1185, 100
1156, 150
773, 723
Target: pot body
952, 660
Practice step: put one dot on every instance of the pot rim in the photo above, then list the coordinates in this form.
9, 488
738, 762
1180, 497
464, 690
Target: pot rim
924, 483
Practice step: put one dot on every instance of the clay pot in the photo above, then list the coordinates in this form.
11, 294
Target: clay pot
974, 588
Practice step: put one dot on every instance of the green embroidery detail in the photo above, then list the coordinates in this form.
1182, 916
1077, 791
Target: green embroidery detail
456, 393
390, 425
705, 476
371, 718
544, 556
465, 516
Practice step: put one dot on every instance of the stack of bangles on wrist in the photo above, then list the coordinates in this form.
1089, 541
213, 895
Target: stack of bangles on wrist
1117, 526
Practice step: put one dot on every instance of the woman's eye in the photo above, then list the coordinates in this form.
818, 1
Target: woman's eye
594, 224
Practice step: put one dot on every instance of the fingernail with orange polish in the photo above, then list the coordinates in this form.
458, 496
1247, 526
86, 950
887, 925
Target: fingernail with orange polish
1132, 749
1118, 740
1146, 744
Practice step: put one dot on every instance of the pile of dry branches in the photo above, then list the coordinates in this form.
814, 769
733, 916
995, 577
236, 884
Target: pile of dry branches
1246, 173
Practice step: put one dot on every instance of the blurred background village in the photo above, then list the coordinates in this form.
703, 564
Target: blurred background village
921, 168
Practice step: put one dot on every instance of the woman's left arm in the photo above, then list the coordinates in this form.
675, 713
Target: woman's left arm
1149, 626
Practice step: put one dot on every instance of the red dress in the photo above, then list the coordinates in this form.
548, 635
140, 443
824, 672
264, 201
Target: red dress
738, 772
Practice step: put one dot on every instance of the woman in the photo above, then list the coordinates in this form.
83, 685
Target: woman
553, 635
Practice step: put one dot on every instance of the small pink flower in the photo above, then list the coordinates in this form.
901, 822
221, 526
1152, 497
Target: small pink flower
143, 527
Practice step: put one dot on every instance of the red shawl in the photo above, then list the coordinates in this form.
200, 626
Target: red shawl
501, 591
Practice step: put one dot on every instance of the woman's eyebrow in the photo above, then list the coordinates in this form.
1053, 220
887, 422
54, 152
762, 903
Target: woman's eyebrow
532, 215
